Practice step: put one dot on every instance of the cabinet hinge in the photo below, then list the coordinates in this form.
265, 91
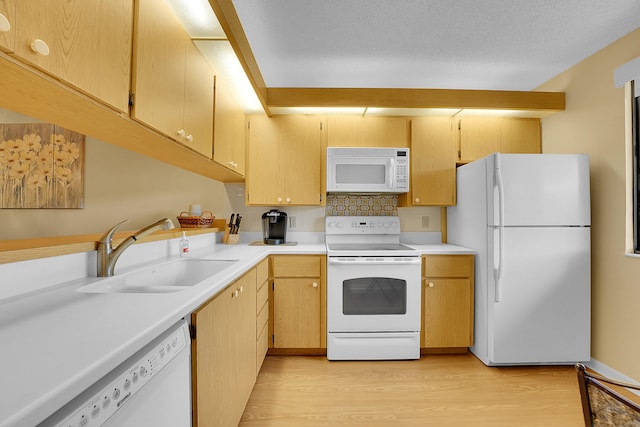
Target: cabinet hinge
192, 331
459, 124
273, 286
273, 339
320, 125
248, 124
320, 198
132, 99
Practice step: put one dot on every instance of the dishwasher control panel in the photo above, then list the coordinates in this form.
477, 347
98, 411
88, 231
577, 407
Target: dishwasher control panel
99, 406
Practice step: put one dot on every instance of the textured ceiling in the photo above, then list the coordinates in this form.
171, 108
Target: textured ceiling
455, 44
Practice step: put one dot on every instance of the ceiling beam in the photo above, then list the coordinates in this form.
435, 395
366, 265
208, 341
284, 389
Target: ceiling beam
415, 98
230, 23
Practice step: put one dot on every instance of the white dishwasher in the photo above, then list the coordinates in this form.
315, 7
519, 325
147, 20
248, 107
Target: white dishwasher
152, 388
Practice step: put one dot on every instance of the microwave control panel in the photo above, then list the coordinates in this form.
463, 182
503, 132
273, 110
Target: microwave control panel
402, 170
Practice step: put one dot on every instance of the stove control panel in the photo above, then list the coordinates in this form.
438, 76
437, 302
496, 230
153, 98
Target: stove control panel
362, 225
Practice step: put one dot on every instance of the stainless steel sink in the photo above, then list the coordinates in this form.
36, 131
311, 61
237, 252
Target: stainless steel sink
173, 276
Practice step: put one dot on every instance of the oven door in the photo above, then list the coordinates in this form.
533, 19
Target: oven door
373, 294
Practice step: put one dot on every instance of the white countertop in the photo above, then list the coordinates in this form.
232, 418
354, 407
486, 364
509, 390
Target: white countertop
57, 342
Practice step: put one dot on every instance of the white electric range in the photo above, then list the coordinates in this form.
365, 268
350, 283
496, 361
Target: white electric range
373, 290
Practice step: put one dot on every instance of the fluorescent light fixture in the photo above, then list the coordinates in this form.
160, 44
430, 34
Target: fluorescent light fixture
198, 18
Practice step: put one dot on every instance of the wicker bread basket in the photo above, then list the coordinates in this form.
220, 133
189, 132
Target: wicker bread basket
203, 221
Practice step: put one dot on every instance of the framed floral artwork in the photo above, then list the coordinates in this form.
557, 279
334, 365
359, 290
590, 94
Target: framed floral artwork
41, 166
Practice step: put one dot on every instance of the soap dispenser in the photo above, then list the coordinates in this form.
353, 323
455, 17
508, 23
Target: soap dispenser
184, 245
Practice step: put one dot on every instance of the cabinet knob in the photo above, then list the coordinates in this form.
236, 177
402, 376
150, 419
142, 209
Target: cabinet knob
315, 284
279, 199
417, 199
5, 25
181, 132
40, 46
190, 138
288, 200
431, 284
241, 289
235, 293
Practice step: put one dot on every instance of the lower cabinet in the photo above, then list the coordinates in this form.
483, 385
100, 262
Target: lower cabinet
447, 305
298, 323
224, 354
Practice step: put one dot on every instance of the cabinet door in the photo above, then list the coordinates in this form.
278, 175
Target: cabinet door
479, 137
357, 131
433, 162
447, 309
244, 329
159, 67
198, 102
7, 25
284, 160
297, 312
520, 136
228, 130
213, 360
89, 44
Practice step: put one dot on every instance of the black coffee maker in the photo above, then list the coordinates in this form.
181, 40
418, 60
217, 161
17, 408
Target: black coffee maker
274, 227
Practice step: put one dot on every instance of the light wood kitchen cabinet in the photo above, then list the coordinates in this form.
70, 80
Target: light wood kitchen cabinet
229, 131
84, 43
481, 136
262, 312
7, 25
358, 131
447, 308
224, 354
299, 302
284, 161
172, 81
433, 162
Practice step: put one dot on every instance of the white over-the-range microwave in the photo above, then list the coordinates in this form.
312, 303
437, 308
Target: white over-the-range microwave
367, 170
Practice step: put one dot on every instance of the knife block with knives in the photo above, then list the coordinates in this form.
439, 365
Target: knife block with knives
232, 230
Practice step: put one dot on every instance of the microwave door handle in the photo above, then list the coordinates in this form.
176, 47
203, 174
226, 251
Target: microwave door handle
392, 172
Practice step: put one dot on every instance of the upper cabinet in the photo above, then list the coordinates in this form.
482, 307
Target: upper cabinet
84, 43
7, 25
172, 81
481, 136
229, 131
357, 131
284, 161
433, 162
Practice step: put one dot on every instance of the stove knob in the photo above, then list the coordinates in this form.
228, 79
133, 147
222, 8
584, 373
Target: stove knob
394, 225
386, 224
339, 224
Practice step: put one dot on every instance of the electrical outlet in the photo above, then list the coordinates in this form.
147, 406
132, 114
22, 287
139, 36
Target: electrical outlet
292, 222
425, 221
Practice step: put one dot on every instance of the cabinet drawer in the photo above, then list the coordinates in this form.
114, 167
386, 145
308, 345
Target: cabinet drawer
447, 266
296, 266
262, 270
262, 318
262, 345
262, 296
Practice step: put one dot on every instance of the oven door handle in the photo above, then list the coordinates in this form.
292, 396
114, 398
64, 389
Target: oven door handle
374, 260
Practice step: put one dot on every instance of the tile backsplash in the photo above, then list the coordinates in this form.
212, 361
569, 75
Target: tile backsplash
362, 205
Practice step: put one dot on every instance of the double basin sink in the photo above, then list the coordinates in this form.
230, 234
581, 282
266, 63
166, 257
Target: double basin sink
172, 276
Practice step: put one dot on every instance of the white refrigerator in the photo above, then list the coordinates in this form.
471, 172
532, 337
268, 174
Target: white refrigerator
528, 218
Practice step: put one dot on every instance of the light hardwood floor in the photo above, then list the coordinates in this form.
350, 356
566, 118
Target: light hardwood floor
437, 390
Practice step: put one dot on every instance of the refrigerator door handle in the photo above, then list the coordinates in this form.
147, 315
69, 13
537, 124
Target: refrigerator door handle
497, 269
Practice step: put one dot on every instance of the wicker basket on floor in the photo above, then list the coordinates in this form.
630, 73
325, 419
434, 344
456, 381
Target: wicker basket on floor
203, 221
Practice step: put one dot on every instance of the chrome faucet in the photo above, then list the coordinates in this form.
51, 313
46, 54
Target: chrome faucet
107, 255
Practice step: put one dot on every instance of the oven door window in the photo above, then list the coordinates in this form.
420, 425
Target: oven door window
373, 296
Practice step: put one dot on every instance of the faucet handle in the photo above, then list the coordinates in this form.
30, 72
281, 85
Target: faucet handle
106, 237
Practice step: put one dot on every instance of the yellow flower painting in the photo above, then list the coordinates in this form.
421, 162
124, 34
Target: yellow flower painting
41, 166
